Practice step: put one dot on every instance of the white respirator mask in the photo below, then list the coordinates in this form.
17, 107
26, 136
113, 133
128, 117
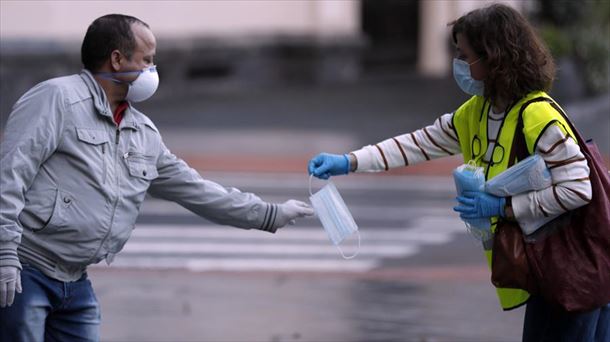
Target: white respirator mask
140, 89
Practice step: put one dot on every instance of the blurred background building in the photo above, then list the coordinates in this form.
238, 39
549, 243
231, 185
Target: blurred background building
236, 47
250, 90
240, 43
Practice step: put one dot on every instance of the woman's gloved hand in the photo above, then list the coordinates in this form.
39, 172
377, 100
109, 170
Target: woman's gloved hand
479, 204
325, 165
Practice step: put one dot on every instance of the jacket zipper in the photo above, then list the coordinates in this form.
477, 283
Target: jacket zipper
104, 174
116, 202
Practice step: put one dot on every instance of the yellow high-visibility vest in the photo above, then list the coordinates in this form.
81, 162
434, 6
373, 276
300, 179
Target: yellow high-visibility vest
470, 124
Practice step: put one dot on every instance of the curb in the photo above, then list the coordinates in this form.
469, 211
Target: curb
298, 164
292, 164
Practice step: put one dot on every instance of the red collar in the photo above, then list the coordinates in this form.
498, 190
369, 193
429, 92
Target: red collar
119, 111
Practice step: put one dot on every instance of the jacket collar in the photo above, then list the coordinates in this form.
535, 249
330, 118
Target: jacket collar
101, 104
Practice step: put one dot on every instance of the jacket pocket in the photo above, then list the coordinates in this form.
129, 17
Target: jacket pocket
143, 170
59, 217
141, 166
92, 136
45, 210
98, 139
40, 206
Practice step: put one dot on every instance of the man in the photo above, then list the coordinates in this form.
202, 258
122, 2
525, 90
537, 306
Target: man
76, 163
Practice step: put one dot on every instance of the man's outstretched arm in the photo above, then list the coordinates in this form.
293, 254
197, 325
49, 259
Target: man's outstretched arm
179, 183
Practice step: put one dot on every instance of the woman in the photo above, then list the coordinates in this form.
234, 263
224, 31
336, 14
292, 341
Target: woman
504, 66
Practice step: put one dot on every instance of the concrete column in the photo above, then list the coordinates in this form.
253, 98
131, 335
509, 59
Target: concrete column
336, 18
433, 51
434, 46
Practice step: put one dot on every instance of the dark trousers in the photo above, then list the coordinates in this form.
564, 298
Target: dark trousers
544, 324
51, 310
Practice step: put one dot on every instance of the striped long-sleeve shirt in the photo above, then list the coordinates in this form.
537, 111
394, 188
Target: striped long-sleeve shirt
570, 188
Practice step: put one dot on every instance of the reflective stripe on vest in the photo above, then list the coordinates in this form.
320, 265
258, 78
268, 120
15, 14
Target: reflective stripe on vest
470, 123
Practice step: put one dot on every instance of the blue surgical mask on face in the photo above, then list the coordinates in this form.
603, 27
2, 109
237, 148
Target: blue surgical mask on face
461, 73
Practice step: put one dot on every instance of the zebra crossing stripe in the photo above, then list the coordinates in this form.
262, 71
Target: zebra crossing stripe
261, 249
212, 247
243, 264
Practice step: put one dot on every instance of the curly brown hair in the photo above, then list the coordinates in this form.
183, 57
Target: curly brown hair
518, 61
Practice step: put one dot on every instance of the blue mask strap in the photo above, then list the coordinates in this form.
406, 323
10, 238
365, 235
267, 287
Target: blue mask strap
109, 75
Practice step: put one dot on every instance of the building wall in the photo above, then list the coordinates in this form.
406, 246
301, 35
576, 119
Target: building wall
202, 44
234, 20
68, 20
433, 50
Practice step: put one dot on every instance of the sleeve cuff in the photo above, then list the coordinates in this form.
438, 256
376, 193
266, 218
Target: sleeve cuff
364, 160
525, 216
269, 213
8, 255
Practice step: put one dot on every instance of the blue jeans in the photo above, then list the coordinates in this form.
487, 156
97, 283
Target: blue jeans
544, 324
51, 310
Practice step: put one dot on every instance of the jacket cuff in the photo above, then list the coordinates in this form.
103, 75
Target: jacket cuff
8, 255
269, 216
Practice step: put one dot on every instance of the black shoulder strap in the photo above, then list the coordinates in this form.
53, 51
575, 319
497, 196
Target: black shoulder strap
518, 150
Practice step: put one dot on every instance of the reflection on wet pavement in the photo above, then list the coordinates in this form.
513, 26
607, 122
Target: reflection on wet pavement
266, 306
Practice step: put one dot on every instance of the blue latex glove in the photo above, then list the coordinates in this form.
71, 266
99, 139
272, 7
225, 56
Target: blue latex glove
479, 205
325, 165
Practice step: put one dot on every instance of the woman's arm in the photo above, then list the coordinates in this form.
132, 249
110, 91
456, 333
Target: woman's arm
570, 178
434, 141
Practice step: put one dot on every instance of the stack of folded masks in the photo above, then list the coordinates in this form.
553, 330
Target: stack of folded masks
529, 174
469, 177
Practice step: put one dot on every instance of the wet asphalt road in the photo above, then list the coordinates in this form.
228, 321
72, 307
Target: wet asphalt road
434, 289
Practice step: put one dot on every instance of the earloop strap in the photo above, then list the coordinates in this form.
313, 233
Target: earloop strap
353, 255
310, 178
109, 75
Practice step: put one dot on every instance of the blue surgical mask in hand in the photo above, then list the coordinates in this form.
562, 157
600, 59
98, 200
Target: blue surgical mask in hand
529, 174
334, 215
471, 178
468, 177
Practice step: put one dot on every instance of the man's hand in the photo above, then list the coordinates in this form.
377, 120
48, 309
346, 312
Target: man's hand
290, 210
10, 281
479, 205
325, 165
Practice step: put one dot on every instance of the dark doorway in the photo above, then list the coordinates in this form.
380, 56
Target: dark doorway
391, 28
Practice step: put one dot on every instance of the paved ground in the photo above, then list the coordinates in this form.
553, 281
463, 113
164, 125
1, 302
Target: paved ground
438, 304
418, 276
